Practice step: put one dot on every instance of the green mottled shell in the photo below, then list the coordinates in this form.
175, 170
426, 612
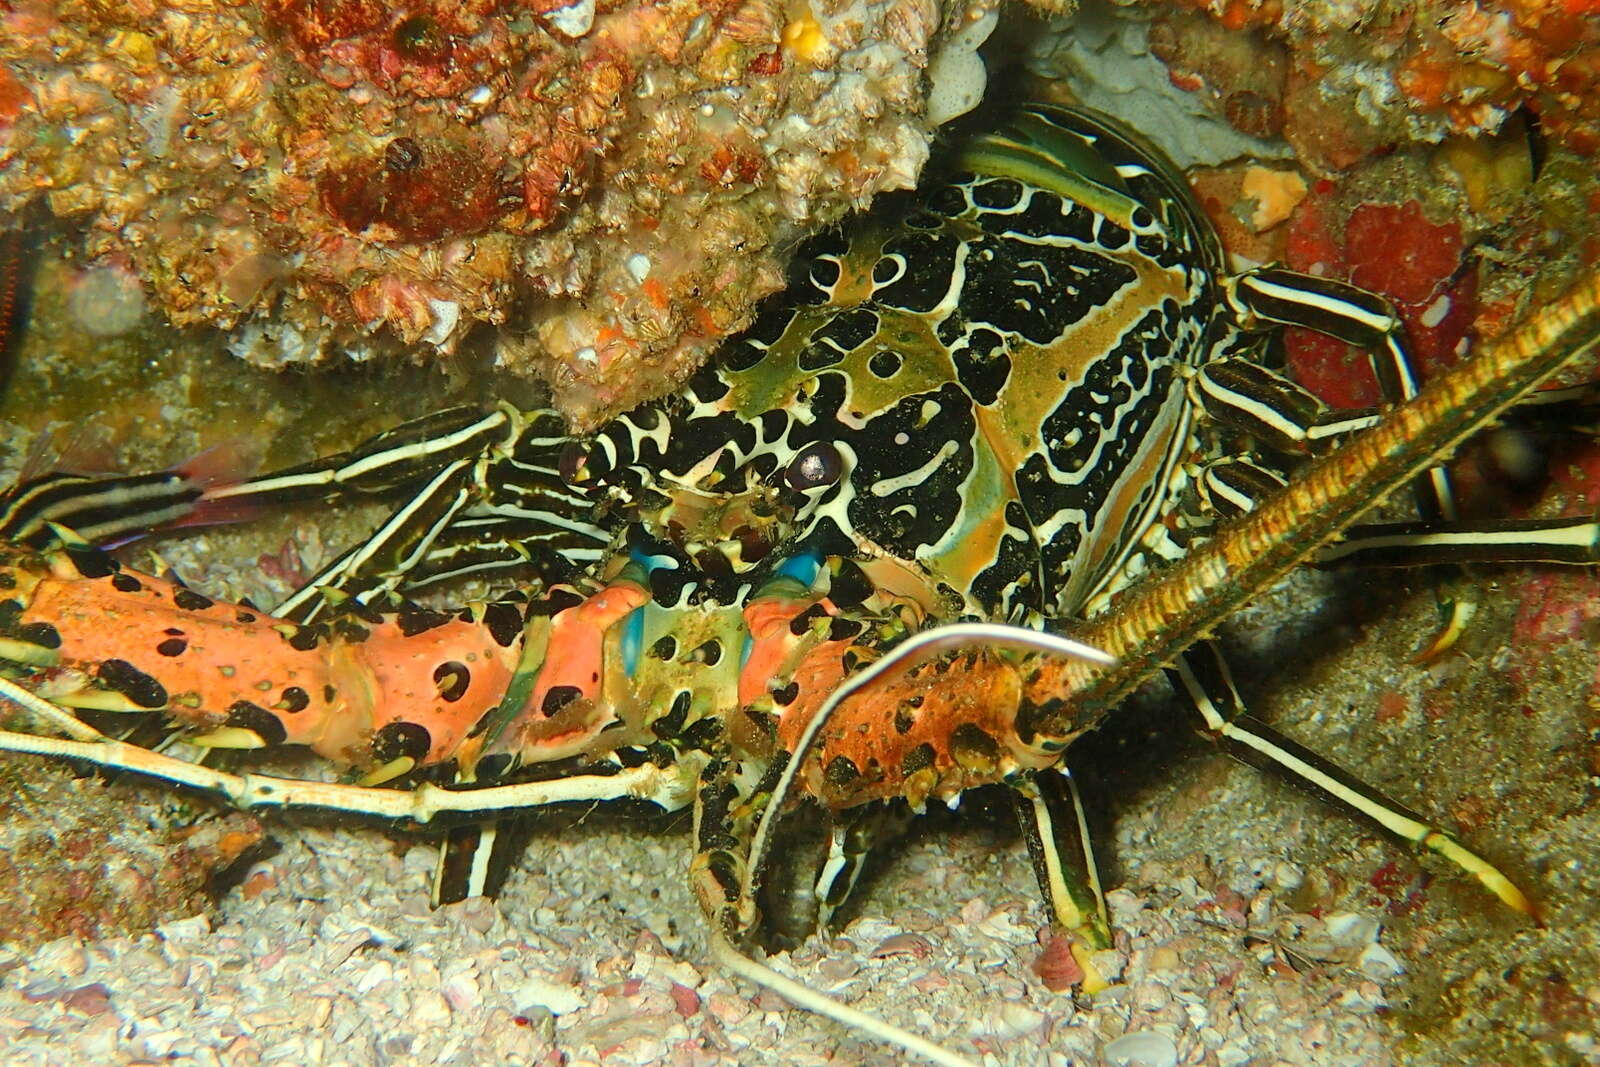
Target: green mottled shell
997, 362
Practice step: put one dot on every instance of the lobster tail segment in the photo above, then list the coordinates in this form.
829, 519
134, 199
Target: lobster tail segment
399, 690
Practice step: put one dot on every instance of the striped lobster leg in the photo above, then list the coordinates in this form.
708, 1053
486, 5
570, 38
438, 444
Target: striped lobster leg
1283, 417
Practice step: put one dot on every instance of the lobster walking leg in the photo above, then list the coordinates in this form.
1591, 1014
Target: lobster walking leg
1202, 674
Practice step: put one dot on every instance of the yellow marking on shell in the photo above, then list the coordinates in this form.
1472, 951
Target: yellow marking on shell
387, 772
28, 653
94, 700
229, 737
805, 37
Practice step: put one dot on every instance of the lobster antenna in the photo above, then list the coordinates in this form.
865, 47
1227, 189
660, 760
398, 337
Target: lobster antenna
752, 970
906, 654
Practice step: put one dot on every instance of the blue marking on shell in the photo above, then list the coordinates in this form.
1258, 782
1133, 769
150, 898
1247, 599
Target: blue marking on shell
632, 643
803, 568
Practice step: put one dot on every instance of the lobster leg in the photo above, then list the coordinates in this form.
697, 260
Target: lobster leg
1272, 295
482, 491
399, 457
1201, 674
454, 463
100, 510
855, 834
1050, 811
379, 565
726, 814
1574, 541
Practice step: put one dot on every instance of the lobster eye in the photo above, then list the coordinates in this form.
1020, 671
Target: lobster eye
816, 465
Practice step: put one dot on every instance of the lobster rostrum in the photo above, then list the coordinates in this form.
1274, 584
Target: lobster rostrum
996, 401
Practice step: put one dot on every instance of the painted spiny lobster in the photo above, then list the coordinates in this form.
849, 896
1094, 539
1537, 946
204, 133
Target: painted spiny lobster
1002, 398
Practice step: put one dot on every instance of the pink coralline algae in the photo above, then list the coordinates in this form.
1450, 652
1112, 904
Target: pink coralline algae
611, 182
1395, 250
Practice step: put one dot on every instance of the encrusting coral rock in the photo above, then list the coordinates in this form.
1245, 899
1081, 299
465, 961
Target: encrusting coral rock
613, 180
1360, 72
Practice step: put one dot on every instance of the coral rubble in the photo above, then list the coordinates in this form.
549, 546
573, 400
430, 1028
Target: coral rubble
77, 862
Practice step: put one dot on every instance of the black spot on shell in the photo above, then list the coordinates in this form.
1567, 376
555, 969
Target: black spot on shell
800, 625
999, 194
849, 585
630, 756
824, 273
665, 648
367, 613
173, 646
765, 724
785, 695
414, 620
131, 682
559, 697
973, 748
841, 770
917, 759
496, 765
189, 600
304, 638
1111, 236
400, 739
843, 629
294, 699
258, 720
555, 602
670, 723
42, 634
244, 617
504, 622
126, 583
351, 630
709, 653
703, 734
329, 694
885, 363
903, 720
453, 678
91, 562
